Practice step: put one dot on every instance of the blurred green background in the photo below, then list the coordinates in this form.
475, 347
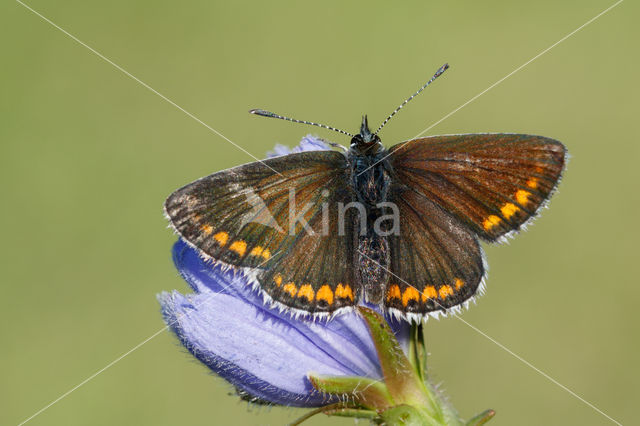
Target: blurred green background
88, 156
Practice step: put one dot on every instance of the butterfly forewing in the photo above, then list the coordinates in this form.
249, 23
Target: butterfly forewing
252, 217
493, 183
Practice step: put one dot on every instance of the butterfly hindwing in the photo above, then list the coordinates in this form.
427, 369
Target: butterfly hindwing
251, 216
493, 183
318, 274
436, 262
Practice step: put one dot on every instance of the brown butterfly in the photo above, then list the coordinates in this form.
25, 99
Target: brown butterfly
319, 231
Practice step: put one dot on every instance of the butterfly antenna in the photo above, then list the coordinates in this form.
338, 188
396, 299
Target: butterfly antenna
436, 75
281, 117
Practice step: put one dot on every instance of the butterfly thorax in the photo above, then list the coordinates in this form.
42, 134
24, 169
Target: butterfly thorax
370, 178
368, 175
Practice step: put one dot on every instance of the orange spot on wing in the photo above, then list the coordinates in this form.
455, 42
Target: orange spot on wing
522, 196
429, 292
459, 283
410, 293
532, 183
239, 247
491, 221
325, 294
509, 210
393, 292
261, 252
291, 289
344, 292
445, 291
206, 228
221, 237
306, 291
278, 279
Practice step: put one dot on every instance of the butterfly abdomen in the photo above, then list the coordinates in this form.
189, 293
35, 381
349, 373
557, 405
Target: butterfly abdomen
373, 263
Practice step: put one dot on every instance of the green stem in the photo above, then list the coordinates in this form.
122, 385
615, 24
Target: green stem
404, 396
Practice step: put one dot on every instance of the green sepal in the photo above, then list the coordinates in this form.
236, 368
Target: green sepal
340, 409
405, 415
418, 351
481, 418
401, 378
357, 413
368, 393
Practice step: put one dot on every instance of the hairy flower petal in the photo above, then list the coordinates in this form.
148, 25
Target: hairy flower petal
257, 348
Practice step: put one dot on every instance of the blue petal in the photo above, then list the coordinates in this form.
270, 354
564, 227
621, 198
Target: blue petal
260, 350
308, 143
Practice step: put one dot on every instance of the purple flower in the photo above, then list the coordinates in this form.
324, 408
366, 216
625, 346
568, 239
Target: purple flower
267, 354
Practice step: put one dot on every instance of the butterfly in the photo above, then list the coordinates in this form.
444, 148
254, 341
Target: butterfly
318, 232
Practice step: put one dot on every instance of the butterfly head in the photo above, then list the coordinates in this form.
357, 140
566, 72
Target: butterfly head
365, 141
